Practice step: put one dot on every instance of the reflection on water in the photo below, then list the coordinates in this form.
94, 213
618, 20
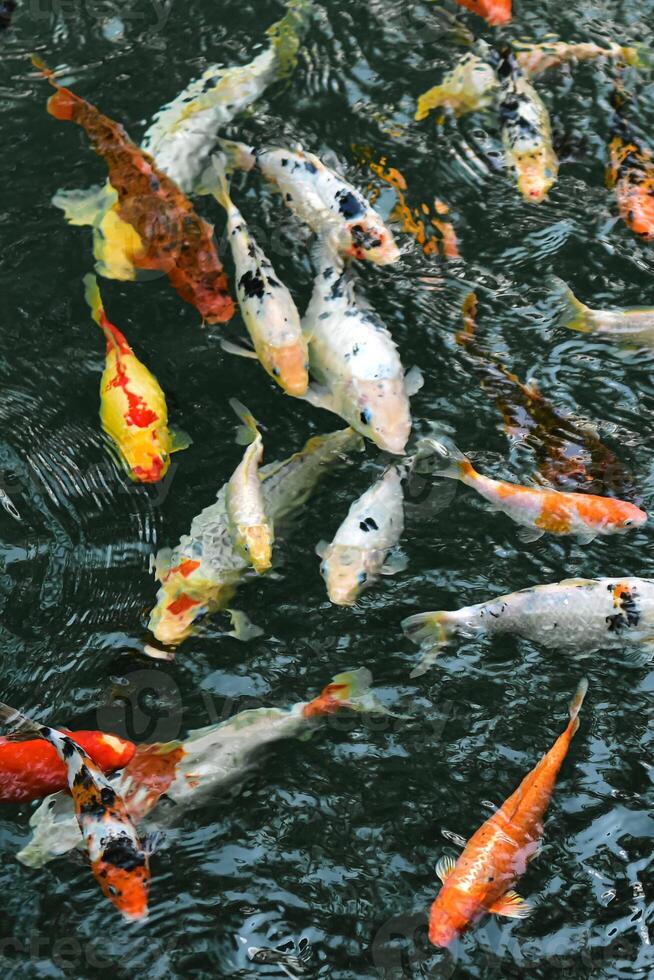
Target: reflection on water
330, 845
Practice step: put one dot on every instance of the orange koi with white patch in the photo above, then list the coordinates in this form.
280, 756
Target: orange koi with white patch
482, 879
540, 510
494, 12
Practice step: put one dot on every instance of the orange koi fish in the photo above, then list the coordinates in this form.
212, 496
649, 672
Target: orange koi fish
482, 879
32, 769
132, 405
157, 219
539, 510
119, 861
494, 12
570, 455
631, 175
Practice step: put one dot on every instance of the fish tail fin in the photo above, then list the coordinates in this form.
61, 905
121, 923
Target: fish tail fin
93, 298
639, 56
453, 464
249, 431
430, 631
433, 98
576, 312
286, 35
20, 724
350, 689
575, 705
220, 188
240, 156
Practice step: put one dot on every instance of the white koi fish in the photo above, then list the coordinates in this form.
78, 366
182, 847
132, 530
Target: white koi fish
633, 325
184, 132
321, 199
188, 772
575, 615
119, 861
540, 510
358, 553
249, 523
269, 313
201, 574
526, 131
354, 360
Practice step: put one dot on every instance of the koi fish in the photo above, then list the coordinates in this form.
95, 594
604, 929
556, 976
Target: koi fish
536, 58
246, 508
481, 881
358, 553
132, 405
189, 772
184, 132
119, 861
634, 324
575, 615
32, 769
354, 360
151, 224
321, 199
202, 573
538, 510
269, 313
630, 174
494, 12
526, 131
570, 455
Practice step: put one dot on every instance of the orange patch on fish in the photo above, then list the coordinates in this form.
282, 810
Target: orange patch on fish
327, 702
182, 604
555, 515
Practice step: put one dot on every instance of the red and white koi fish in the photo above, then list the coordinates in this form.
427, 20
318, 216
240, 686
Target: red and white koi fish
119, 861
576, 615
321, 199
151, 223
539, 510
31, 769
132, 405
481, 880
494, 12
189, 771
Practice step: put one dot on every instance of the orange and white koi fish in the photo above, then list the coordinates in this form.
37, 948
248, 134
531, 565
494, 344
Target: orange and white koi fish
321, 199
481, 881
188, 772
526, 131
494, 12
132, 405
630, 174
119, 861
151, 223
539, 510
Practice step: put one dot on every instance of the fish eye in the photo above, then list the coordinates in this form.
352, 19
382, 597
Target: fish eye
366, 416
361, 577
113, 891
628, 522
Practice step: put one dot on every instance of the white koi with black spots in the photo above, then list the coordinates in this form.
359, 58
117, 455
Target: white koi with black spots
575, 615
359, 550
119, 861
526, 131
321, 199
354, 360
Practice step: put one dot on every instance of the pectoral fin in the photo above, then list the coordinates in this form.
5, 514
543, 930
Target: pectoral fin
321, 548
239, 349
586, 537
320, 398
85, 207
512, 906
444, 867
529, 534
162, 563
152, 841
394, 564
413, 381
243, 627
179, 440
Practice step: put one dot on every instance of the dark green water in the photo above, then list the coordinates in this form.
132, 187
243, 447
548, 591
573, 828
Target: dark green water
333, 840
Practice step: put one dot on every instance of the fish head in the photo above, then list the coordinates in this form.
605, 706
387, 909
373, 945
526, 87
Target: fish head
344, 571
371, 240
536, 174
288, 365
257, 542
147, 455
626, 517
383, 413
637, 207
212, 300
124, 877
172, 618
450, 915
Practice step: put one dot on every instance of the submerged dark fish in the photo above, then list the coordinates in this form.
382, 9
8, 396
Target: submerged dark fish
570, 456
7, 8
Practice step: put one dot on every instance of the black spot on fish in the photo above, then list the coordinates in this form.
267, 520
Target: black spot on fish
328, 272
363, 239
93, 808
154, 183
366, 416
273, 282
69, 749
349, 205
324, 316
284, 162
369, 524
108, 796
122, 853
310, 167
84, 779
252, 284
289, 197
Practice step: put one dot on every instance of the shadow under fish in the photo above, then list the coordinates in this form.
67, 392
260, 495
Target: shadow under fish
570, 456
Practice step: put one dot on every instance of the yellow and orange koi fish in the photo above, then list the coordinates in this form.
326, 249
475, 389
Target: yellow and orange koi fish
482, 879
630, 173
132, 405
